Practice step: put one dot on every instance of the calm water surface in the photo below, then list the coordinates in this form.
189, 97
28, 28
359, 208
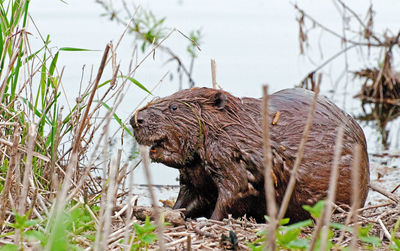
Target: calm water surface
254, 43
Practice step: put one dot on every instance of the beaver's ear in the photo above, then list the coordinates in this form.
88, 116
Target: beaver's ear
219, 100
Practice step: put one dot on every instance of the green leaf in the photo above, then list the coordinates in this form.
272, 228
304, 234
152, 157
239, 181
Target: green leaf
315, 210
119, 121
340, 226
364, 236
137, 84
395, 245
30, 223
52, 68
9, 247
134, 81
298, 225
373, 240
36, 235
288, 236
299, 244
75, 49
149, 238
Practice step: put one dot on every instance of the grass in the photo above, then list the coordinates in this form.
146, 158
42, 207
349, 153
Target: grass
50, 199
63, 186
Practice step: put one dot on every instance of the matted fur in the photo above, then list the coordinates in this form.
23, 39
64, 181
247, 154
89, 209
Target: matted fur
215, 140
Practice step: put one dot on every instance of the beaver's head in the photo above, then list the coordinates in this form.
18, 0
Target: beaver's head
176, 127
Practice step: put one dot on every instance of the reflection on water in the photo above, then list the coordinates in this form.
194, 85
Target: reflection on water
380, 96
253, 42
380, 114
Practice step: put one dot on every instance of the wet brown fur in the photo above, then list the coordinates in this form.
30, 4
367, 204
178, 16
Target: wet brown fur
215, 140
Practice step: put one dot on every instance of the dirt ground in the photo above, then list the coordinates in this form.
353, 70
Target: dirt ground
380, 211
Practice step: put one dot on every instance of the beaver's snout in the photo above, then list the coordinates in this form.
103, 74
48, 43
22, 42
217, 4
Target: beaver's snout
138, 119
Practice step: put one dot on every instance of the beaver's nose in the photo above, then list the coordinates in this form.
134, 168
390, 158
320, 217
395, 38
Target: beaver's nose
137, 119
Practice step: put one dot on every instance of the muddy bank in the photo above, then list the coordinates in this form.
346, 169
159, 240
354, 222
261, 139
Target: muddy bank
385, 173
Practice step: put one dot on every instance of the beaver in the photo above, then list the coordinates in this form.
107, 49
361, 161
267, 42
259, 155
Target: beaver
215, 141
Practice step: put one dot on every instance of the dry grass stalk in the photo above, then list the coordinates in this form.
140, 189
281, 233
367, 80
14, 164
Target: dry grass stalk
355, 201
111, 187
382, 191
25, 150
11, 174
300, 152
28, 168
129, 214
85, 120
53, 174
100, 237
268, 172
11, 63
144, 99
326, 214
61, 201
146, 165
214, 73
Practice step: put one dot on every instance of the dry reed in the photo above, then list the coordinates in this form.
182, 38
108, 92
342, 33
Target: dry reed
268, 173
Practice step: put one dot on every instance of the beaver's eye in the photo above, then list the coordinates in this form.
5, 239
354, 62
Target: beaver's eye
173, 107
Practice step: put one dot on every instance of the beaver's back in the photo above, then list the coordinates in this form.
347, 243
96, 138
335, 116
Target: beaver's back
314, 172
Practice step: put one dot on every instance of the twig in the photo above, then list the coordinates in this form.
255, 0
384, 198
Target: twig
14, 166
25, 150
214, 74
100, 241
355, 180
96, 83
300, 152
357, 17
129, 214
315, 22
385, 231
383, 192
109, 199
157, 216
268, 172
28, 168
394, 190
332, 187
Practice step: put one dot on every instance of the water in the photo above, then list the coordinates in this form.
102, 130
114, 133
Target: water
254, 43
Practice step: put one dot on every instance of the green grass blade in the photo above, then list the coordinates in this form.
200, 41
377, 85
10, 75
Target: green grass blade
119, 121
134, 81
137, 84
25, 12
75, 49
36, 111
51, 71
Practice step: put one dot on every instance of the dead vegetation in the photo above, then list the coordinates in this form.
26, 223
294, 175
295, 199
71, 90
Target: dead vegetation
380, 90
55, 189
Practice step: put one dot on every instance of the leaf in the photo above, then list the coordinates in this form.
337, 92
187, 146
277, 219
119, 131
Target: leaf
149, 238
9, 247
299, 244
137, 84
134, 81
289, 236
284, 221
373, 240
395, 245
52, 68
298, 225
75, 49
119, 121
340, 226
255, 247
315, 210
36, 235
30, 223
36, 111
